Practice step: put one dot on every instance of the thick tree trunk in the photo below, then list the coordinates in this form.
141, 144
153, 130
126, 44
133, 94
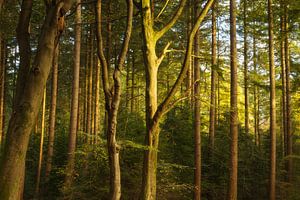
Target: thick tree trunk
272, 171
52, 117
232, 189
26, 107
74, 103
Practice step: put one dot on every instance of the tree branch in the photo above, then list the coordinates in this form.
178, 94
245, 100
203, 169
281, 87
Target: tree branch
162, 108
173, 20
163, 54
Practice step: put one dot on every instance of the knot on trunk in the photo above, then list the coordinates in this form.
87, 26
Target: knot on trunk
36, 71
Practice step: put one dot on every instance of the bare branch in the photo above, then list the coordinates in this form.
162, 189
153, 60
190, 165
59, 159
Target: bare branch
171, 23
164, 105
163, 54
162, 10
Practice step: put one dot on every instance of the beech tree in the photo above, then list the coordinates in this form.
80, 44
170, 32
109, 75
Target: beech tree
113, 96
155, 112
30, 85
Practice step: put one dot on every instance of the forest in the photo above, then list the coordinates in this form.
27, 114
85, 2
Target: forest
150, 99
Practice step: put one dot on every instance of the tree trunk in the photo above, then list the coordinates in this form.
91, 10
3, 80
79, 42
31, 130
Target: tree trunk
232, 190
289, 148
39, 169
2, 89
133, 84
97, 104
212, 109
90, 87
283, 81
246, 69
113, 97
52, 117
255, 94
154, 112
26, 106
197, 114
272, 171
74, 103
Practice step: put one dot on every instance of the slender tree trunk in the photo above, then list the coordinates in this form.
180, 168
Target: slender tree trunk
112, 99
283, 80
272, 171
2, 89
197, 114
26, 106
212, 116
74, 103
232, 189
90, 87
255, 93
246, 69
213, 101
39, 169
97, 103
52, 117
288, 96
133, 84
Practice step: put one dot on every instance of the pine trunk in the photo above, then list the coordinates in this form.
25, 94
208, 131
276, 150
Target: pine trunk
232, 190
74, 103
272, 170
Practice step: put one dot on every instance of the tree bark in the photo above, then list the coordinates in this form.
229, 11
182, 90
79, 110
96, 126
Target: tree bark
52, 117
197, 110
212, 109
113, 97
39, 169
74, 103
97, 103
26, 106
232, 189
289, 142
246, 68
154, 112
2, 89
272, 170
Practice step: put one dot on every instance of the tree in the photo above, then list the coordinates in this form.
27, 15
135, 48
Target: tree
52, 116
154, 113
246, 68
113, 96
232, 189
28, 99
74, 103
197, 110
272, 184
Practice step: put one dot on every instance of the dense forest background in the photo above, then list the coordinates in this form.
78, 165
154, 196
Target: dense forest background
149, 99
